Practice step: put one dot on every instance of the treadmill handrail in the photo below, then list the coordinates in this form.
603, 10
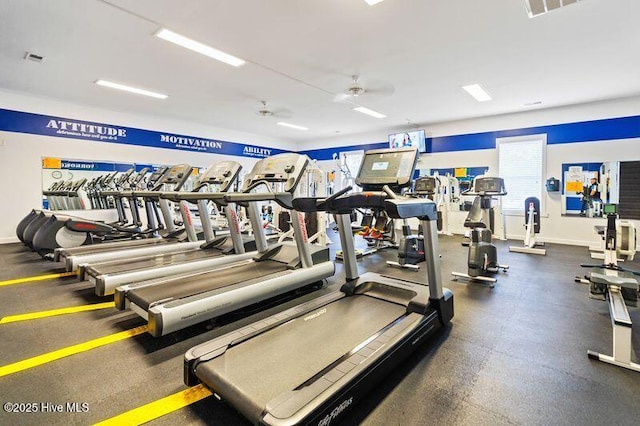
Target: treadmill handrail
257, 183
486, 193
284, 199
146, 194
114, 193
398, 207
216, 197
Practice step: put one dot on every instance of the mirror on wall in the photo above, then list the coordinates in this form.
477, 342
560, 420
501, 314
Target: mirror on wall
71, 184
587, 187
452, 184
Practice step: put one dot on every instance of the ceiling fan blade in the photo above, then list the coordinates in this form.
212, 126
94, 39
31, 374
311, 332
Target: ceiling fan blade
342, 98
378, 88
283, 113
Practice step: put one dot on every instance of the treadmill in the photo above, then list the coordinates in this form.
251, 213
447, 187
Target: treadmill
175, 303
154, 178
106, 276
175, 178
65, 231
310, 363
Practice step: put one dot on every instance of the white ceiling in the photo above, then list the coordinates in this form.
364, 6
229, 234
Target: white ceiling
301, 53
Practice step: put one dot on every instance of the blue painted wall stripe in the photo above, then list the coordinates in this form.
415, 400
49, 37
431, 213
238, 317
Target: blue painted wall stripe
586, 131
45, 125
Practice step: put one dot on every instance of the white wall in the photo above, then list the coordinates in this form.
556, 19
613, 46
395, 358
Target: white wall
554, 227
539, 117
20, 154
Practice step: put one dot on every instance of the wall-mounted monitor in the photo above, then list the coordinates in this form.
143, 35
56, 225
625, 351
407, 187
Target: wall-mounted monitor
413, 138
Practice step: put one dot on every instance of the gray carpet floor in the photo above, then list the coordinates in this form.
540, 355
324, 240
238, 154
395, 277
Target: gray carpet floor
514, 354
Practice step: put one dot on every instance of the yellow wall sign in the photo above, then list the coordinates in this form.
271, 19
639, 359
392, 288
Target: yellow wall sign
574, 186
461, 172
51, 163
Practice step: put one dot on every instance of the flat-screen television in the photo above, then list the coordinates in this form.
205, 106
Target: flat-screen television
414, 138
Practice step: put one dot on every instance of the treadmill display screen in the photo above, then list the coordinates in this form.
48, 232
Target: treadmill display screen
287, 168
387, 167
425, 184
610, 209
382, 165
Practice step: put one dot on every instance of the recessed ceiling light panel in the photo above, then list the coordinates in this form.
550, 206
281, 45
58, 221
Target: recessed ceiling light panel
478, 92
201, 48
130, 89
373, 2
292, 126
370, 112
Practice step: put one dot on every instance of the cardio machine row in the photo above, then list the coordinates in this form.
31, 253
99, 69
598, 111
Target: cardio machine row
46, 230
359, 332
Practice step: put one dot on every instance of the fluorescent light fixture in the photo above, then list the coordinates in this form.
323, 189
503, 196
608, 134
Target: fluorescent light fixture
369, 112
196, 46
292, 126
478, 92
373, 2
135, 90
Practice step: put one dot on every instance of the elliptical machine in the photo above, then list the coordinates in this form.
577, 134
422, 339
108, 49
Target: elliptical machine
482, 261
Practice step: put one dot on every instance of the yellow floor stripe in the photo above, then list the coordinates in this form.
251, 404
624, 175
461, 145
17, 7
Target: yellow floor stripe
159, 408
38, 278
54, 312
70, 350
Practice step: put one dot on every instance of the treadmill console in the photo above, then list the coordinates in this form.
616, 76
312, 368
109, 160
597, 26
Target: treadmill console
176, 175
223, 174
138, 177
287, 168
392, 167
489, 185
157, 175
425, 185
124, 177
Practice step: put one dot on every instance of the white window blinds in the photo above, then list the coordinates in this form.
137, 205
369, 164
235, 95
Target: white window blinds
521, 162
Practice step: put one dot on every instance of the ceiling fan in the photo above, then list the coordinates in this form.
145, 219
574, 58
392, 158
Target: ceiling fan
265, 111
360, 91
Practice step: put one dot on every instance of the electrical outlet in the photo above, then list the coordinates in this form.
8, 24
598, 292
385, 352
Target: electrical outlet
1, 142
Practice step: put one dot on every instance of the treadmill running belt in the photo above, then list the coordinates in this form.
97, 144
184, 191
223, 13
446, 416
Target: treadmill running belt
294, 352
184, 287
115, 245
125, 266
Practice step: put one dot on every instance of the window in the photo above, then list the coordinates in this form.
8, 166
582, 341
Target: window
521, 163
349, 165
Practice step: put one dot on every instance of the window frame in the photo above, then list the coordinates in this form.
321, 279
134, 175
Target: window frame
543, 172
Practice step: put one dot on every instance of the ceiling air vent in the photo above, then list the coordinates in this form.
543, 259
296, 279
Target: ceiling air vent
33, 57
540, 7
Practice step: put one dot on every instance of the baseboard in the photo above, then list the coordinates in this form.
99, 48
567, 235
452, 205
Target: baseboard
9, 240
513, 237
580, 243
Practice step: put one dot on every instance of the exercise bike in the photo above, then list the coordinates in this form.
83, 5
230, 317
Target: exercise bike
411, 247
482, 261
